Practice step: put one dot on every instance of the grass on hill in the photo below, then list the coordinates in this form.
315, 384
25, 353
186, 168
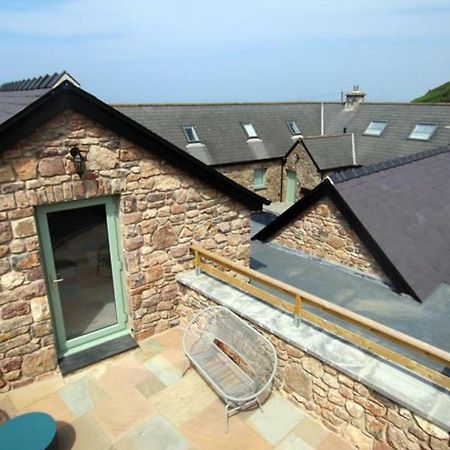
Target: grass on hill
441, 94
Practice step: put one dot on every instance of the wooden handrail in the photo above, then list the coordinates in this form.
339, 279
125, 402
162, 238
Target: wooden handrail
301, 297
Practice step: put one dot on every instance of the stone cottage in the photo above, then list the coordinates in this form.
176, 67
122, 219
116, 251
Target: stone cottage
97, 214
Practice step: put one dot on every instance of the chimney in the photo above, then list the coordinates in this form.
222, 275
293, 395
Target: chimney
354, 98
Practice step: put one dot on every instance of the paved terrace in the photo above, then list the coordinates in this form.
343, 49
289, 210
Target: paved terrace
139, 400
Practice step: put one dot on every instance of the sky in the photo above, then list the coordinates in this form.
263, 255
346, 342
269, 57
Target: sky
136, 51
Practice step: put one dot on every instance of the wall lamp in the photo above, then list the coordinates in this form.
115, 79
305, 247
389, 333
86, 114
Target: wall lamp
78, 159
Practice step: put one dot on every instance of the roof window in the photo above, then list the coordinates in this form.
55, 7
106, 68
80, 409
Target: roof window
191, 134
293, 128
423, 131
375, 128
250, 130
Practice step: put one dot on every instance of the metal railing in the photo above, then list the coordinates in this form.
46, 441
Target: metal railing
301, 298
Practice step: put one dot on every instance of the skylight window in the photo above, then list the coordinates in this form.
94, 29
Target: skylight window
250, 130
423, 131
375, 128
191, 134
293, 128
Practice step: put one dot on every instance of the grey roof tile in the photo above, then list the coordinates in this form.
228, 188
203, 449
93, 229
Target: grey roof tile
330, 152
12, 102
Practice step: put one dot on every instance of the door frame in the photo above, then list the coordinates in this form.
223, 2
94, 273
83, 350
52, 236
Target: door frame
66, 347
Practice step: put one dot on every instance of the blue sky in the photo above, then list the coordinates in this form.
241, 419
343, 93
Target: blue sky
206, 51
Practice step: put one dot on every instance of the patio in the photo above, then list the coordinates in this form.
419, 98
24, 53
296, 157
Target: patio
138, 400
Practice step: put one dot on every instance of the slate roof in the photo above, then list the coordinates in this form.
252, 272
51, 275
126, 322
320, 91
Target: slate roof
16, 95
394, 142
11, 102
331, 151
68, 96
401, 211
223, 140
219, 127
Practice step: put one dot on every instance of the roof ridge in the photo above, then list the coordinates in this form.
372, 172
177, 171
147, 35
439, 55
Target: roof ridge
290, 102
346, 175
41, 82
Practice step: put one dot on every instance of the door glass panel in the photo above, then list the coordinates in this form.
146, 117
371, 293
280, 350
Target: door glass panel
81, 252
291, 186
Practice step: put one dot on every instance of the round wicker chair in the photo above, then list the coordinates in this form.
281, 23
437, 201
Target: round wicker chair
237, 361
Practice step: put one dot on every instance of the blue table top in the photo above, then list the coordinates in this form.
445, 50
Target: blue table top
31, 431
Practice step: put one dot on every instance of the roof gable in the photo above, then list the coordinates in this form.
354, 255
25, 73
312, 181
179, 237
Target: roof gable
67, 96
331, 151
400, 211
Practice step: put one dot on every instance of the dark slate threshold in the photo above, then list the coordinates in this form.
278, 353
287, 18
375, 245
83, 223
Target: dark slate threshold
95, 354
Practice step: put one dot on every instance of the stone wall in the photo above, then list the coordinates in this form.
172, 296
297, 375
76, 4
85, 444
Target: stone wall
162, 210
360, 415
308, 177
322, 231
243, 174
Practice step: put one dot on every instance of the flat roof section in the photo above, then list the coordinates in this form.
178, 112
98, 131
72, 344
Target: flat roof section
427, 321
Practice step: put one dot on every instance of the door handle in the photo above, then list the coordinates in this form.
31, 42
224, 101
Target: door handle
57, 280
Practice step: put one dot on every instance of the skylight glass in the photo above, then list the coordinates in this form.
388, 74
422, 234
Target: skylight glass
375, 128
293, 128
191, 134
423, 131
250, 130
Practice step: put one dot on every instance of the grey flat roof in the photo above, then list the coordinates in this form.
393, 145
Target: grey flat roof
359, 294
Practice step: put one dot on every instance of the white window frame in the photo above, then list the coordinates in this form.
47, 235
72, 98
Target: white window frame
262, 183
194, 133
375, 132
417, 137
293, 128
250, 130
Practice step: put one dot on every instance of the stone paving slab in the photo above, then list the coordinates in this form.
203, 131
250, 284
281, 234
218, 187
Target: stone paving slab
277, 418
119, 404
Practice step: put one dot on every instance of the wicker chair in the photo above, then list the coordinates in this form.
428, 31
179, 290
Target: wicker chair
237, 361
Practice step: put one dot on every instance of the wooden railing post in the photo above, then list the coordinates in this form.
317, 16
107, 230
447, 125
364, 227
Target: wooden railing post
197, 257
297, 310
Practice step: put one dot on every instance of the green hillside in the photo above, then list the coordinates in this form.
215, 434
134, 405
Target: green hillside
441, 94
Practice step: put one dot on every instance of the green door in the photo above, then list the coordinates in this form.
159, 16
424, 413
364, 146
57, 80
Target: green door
83, 272
291, 186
